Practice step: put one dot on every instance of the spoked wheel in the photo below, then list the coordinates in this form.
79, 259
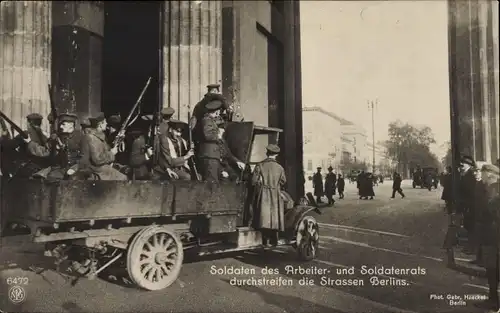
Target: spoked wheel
154, 258
307, 238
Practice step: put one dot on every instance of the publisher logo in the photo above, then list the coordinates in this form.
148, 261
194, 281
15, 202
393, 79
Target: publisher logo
17, 294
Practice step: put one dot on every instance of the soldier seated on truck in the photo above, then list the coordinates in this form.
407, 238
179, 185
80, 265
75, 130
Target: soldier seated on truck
65, 149
100, 155
175, 150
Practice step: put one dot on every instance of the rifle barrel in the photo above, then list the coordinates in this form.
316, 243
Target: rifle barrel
14, 125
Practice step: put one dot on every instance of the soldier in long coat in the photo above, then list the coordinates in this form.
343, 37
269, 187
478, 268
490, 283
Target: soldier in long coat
490, 232
317, 181
209, 151
268, 179
100, 155
330, 185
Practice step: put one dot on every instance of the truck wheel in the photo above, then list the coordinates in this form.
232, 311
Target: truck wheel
307, 238
154, 258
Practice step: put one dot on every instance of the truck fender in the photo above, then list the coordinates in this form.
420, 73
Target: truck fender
293, 218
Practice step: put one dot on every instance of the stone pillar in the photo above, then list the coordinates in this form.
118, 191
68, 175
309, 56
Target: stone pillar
192, 52
25, 63
78, 30
289, 139
492, 28
298, 105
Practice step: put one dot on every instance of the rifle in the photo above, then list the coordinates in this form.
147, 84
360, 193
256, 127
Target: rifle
191, 145
53, 111
121, 133
14, 125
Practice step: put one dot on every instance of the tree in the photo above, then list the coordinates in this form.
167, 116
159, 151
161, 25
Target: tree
448, 158
410, 145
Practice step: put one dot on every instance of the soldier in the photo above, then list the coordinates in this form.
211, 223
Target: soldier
231, 166
114, 123
317, 181
100, 155
140, 154
490, 218
166, 115
175, 151
85, 125
268, 178
341, 186
330, 185
209, 152
200, 108
66, 149
396, 185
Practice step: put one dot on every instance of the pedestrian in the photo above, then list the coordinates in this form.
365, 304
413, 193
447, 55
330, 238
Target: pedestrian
489, 234
446, 196
466, 197
318, 185
330, 185
268, 179
369, 186
341, 186
396, 185
360, 183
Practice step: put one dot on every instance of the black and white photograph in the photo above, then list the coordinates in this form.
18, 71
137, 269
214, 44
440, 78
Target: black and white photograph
249, 156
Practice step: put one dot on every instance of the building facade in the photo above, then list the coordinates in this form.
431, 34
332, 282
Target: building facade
322, 139
357, 136
251, 47
473, 68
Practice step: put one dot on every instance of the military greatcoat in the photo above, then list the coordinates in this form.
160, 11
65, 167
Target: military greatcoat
318, 185
330, 184
100, 156
268, 178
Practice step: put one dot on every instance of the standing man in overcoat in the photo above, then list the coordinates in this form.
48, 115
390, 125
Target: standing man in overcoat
467, 196
330, 185
268, 179
341, 186
209, 152
490, 232
317, 181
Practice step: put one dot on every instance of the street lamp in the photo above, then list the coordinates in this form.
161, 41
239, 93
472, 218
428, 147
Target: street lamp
372, 105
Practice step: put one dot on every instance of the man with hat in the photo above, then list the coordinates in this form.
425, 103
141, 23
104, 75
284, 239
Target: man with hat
231, 166
268, 179
466, 195
200, 108
174, 152
68, 146
100, 155
330, 185
209, 152
166, 115
85, 124
318, 185
113, 126
37, 143
489, 232
141, 155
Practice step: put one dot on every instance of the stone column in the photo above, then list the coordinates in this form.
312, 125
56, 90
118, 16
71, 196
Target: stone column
289, 139
298, 104
494, 82
192, 52
25, 63
78, 30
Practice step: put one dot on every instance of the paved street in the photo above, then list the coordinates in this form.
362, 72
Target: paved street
400, 233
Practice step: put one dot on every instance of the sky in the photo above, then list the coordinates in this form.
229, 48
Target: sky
393, 51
